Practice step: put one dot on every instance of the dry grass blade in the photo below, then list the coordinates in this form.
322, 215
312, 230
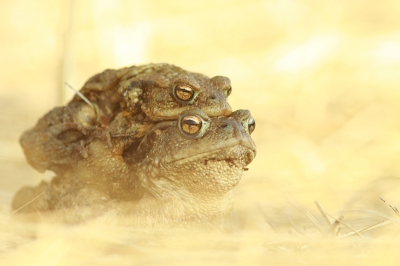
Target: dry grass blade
377, 225
80, 95
321, 210
334, 225
27, 203
294, 226
316, 223
378, 214
346, 225
396, 211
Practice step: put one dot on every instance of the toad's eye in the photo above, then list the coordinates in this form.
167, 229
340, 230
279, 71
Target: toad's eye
251, 124
191, 124
184, 92
228, 91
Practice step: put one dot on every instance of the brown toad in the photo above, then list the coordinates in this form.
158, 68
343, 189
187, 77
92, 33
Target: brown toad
181, 173
126, 104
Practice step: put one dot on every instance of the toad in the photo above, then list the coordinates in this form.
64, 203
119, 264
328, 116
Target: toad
182, 172
124, 105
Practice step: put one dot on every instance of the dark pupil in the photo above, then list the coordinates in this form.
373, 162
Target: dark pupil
191, 125
191, 121
184, 93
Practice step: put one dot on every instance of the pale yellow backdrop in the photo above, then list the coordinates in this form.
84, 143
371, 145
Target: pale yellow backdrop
321, 78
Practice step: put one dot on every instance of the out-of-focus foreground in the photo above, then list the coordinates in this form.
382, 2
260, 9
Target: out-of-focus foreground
321, 79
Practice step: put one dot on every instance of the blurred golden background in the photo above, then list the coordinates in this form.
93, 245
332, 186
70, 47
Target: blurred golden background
321, 79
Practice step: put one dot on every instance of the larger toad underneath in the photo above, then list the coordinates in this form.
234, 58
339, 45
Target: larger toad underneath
182, 172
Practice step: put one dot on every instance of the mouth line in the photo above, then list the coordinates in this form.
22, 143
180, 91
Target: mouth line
210, 156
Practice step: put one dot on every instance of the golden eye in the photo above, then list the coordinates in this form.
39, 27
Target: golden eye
184, 92
191, 124
251, 124
228, 91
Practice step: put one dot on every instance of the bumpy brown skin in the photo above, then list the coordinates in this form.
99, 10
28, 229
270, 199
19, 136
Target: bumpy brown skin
175, 178
127, 104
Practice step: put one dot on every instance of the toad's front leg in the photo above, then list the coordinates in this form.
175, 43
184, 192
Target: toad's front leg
53, 148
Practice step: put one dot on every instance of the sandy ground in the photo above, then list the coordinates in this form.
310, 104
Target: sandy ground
321, 79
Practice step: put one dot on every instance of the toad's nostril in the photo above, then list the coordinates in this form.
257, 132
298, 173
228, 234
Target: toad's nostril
213, 97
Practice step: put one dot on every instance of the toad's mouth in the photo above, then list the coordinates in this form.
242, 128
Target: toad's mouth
235, 153
245, 157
